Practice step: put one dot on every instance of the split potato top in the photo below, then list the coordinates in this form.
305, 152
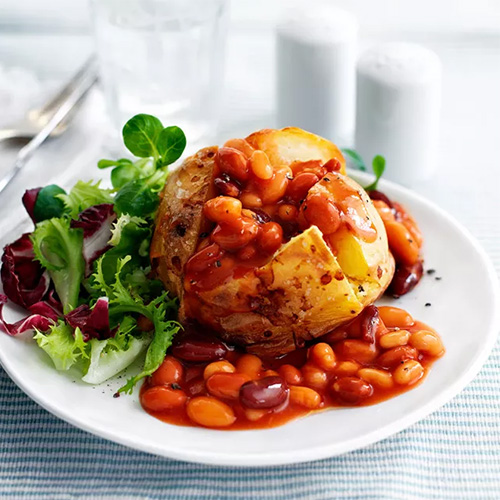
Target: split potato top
268, 242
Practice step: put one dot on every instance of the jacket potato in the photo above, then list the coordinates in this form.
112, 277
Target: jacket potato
267, 242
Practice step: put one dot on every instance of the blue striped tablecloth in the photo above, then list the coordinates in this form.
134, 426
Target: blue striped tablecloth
453, 454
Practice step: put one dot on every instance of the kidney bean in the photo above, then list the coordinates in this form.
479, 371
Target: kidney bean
233, 163
196, 386
378, 195
198, 349
352, 389
322, 212
396, 355
300, 186
226, 186
370, 323
266, 393
163, 398
210, 412
405, 278
169, 372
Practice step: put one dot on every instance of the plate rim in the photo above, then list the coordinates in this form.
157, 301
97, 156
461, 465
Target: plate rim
271, 458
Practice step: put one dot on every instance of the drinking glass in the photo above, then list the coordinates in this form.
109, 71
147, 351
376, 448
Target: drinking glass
165, 58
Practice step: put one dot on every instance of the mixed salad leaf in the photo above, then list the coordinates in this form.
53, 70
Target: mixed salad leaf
83, 273
357, 162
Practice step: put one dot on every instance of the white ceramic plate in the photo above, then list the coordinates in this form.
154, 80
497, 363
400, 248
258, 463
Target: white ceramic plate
464, 311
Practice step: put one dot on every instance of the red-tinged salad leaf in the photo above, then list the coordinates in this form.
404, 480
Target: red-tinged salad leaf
29, 200
96, 223
24, 280
47, 309
30, 323
58, 247
93, 322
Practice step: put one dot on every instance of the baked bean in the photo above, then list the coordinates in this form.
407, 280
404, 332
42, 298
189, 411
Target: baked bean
401, 243
266, 393
394, 317
288, 213
305, 397
314, 376
218, 367
270, 373
427, 342
205, 258
163, 398
408, 373
169, 372
291, 375
226, 385
248, 252
270, 237
261, 166
332, 165
385, 211
233, 163
240, 145
199, 349
249, 364
250, 200
357, 350
397, 355
222, 209
272, 190
322, 355
300, 186
352, 389
378, 378
409, 222
210, 412
347, 368
309, 166
254, 415
321, 211
393, 339
232, 237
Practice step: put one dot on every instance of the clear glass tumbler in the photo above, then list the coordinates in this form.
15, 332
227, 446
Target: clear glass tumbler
165, 58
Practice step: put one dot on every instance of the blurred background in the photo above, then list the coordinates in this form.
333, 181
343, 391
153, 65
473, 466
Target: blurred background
43, 43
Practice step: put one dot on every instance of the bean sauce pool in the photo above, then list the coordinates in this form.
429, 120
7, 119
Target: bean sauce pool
203, 382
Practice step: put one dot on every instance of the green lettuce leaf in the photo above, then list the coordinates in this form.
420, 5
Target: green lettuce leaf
84, 195
64, 346
109, 357
58, 248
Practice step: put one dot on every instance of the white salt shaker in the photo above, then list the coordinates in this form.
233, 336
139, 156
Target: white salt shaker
316, 71
398, 108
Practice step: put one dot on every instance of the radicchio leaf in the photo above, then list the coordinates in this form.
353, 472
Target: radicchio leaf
96, 223
30, 323
45, 308
93, 323
29, 200
24, 280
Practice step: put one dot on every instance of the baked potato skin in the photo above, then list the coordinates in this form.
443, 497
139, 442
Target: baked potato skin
180, 218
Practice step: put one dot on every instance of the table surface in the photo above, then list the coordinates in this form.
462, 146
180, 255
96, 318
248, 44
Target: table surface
454, 453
